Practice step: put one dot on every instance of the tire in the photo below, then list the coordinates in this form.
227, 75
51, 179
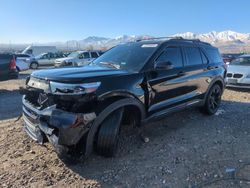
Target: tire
34, 65
213, 100
108, 135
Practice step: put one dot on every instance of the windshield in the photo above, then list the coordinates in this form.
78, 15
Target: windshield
41, 55
130, 57
242, 61
73, 54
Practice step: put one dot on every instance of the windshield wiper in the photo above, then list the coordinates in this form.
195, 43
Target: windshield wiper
111, 65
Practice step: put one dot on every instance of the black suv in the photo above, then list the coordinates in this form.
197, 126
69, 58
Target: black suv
81, 108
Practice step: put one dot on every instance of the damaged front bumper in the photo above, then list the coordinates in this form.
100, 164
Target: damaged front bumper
61, 128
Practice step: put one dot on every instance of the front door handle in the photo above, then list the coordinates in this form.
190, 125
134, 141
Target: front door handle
210, 67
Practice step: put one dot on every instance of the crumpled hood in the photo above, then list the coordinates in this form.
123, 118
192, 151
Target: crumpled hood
77, 74
238, 69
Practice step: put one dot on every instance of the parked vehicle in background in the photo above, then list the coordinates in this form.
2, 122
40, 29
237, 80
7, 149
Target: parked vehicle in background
80, 109
37, 50
21, 65
78, 58
23, 61
239, 72
8, 67
227, 58
45, 59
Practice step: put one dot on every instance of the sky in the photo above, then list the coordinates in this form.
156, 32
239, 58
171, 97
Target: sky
27, 21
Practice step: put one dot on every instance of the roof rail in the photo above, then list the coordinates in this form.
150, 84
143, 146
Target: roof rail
156, 38
175, 38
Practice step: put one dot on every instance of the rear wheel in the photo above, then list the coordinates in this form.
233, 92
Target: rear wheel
108, 135
213, 100
34, 65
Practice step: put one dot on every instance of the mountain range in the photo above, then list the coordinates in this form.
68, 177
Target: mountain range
227, 41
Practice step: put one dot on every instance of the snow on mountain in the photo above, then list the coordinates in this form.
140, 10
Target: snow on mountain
218, 37
222, 39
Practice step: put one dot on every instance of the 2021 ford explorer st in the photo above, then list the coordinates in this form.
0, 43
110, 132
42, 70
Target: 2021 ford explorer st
81, 108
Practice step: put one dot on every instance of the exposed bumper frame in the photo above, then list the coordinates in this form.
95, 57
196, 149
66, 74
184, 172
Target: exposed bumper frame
63, 129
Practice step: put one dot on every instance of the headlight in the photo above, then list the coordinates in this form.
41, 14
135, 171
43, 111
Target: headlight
73, 89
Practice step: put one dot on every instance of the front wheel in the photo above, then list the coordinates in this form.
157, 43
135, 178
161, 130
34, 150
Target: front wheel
213, 100
108, 135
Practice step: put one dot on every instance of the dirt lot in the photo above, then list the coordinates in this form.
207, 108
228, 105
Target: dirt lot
186, 149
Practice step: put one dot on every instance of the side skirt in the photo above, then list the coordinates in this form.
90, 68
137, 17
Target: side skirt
163, 113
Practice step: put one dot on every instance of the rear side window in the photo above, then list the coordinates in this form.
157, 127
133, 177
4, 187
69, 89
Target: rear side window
193, 56
214, 55
94, 55
172, 55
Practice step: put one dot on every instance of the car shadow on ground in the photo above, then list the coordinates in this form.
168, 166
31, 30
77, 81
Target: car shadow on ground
23, 76
184, 145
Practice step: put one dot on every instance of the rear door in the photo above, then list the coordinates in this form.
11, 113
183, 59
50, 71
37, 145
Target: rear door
44, 60
4, 66
195, 68
52, 59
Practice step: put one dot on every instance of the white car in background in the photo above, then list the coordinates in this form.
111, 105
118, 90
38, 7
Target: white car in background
45, 59
78, 58
238, 73
23, 61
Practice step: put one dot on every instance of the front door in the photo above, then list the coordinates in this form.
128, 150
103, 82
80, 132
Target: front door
167, 86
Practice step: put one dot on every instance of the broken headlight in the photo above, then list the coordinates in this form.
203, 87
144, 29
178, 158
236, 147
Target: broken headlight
73, 89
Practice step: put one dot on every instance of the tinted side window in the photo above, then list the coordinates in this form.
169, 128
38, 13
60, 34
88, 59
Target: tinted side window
86, 55
214, 54
193, 56
94, 55
172, 55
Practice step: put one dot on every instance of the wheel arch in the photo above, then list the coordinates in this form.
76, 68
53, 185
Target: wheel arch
123, 102
219, 81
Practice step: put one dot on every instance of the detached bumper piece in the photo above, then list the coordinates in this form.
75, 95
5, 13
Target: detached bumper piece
61, 128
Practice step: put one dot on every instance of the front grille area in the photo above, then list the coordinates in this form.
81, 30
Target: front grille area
238, 75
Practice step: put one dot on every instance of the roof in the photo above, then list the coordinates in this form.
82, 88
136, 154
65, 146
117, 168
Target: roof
161, 40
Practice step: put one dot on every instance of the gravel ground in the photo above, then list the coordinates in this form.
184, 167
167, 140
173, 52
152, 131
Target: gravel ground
186, 149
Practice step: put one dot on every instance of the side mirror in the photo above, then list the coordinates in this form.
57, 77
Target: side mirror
164, 65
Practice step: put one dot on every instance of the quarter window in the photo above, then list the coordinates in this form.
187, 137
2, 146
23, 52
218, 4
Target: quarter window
172, 55
214, 54
193, 56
